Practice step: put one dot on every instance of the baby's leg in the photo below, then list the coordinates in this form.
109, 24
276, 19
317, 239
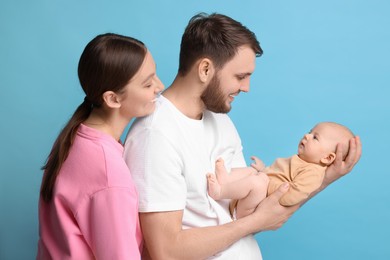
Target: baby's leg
221, 172
251, 190
259, 184
217, 180
235, 174
214, 188
236, 185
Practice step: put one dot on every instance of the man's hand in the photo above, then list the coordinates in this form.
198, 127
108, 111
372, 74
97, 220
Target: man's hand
269, 214
341, 167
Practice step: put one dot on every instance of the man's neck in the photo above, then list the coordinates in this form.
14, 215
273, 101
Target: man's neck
185, 96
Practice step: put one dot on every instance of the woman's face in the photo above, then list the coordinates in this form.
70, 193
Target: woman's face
142, 90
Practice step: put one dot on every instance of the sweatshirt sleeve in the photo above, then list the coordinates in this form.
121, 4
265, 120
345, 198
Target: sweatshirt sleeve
109, 222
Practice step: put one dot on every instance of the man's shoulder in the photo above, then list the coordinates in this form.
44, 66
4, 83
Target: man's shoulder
161, 111
162, 120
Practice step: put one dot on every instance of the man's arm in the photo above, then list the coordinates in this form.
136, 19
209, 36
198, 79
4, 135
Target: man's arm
165, 238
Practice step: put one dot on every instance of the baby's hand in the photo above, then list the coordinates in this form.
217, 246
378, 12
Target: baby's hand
257, 164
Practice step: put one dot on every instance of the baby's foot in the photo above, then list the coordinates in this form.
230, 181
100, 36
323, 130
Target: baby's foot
221, 172
213, 186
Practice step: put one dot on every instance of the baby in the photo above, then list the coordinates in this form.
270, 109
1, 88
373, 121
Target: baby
304, 172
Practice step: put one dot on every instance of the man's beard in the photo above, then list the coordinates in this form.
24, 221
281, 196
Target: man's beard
213, 97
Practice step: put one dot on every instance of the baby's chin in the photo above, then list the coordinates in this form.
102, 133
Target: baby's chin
300, 155
300, 151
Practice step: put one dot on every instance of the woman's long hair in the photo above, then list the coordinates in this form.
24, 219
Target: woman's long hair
107, 63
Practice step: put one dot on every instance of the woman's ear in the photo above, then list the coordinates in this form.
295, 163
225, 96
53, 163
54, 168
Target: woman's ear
328, 160
111, 99
205, 70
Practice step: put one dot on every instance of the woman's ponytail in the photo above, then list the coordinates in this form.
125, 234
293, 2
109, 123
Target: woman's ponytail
60, 149
107, 63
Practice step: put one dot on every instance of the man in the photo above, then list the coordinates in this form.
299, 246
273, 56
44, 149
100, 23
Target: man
170, 152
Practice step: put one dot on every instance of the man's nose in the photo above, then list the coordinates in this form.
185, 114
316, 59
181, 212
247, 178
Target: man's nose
245, 88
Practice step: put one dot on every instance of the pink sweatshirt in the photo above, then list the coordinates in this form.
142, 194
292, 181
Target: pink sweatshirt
94, 210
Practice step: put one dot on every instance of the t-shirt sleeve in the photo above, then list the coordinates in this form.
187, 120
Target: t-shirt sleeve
111, 223
157, 171
237, 157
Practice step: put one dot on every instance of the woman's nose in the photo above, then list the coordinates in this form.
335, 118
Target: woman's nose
160, 86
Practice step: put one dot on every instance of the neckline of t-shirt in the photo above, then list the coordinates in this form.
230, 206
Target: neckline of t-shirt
94, 134
180, 114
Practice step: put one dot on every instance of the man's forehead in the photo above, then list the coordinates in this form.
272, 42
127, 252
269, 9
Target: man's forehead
243, 62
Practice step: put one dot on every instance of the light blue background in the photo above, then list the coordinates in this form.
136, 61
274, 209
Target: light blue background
323, 60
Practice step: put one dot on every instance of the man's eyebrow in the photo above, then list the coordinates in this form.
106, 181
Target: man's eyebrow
244, 74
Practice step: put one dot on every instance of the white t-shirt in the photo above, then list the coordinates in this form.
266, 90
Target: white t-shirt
169, 156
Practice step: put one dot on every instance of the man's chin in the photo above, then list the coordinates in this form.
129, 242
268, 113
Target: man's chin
220, 110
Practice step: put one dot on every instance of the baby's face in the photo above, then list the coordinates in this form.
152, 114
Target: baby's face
321, 141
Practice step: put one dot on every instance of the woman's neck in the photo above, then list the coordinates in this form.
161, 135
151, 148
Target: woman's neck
109, 123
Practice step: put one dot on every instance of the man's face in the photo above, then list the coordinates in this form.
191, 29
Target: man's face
214, 98
229, 81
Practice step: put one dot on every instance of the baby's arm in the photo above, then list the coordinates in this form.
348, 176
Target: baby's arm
257, 164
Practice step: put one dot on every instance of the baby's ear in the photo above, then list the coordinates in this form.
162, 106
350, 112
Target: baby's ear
328, 160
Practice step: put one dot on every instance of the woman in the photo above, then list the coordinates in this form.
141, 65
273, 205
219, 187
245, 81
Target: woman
88, 206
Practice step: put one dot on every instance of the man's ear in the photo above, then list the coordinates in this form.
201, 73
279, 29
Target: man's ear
111, 99
328, 160
205, 70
